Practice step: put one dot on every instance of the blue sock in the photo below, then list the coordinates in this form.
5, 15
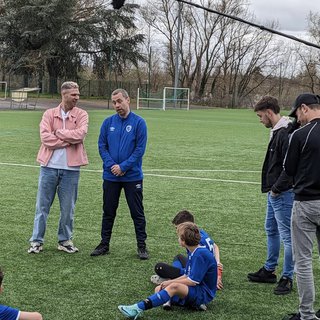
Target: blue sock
154, 300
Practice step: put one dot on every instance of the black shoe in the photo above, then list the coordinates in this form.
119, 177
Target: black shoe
318, 314
292, 316
167, 306
284, 286
143, 253
100, 250
263, 275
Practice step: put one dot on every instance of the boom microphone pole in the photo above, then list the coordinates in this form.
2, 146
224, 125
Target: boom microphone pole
252, 24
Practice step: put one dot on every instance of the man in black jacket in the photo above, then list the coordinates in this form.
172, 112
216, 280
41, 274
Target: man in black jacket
302, 163
276, 183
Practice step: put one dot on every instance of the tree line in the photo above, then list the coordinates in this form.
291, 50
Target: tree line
225, 62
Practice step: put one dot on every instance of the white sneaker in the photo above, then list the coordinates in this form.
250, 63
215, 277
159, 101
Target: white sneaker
202, 307
67, 246
35, 247
157, 279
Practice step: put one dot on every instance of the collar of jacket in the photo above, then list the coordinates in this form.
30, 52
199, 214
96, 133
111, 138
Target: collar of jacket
57, 112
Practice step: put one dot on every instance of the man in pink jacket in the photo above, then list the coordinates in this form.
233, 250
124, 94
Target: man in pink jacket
62, 132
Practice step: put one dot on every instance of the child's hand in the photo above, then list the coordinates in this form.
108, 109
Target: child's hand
164, 284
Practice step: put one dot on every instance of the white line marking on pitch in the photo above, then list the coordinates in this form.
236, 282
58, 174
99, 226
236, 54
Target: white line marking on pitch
157, 175
200, 170
203, 179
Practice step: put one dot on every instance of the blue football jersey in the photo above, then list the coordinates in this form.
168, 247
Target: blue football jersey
8, 313
206, 241
202, 269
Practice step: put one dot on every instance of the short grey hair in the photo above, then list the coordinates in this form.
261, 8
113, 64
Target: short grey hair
122, 91
69, 85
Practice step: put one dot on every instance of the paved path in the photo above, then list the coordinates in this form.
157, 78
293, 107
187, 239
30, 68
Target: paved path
50, 103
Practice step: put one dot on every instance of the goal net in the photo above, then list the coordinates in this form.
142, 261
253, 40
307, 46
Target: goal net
3, 90
149, 100
176, 98
168, 98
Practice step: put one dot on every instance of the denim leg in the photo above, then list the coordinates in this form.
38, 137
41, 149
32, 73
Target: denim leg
133, 191
305, 222
282, 207
273, 238
67, 193
48, 182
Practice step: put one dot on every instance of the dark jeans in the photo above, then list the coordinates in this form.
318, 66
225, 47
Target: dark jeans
111, 194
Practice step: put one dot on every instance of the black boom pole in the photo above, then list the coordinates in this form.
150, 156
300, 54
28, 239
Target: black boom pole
252, 24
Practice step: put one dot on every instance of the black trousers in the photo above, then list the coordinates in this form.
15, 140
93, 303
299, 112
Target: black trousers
134, 195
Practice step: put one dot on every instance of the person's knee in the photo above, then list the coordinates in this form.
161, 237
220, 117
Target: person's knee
164, 270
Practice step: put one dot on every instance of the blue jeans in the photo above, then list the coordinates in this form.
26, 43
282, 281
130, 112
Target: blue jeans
65, 183
278, 228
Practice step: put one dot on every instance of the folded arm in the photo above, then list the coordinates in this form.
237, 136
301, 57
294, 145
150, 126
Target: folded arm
77, 135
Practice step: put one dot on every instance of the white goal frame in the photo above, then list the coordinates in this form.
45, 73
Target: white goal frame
165, 99
5, 89
147, 99
174, 99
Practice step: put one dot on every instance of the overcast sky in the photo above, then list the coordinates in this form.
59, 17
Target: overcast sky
290, 14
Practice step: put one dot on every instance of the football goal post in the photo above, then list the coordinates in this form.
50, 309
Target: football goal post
168, 98
3, 90
176, 98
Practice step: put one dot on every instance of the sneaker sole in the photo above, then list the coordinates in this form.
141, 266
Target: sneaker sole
62, 248
262, 281
99, 254
35, 251
278, 293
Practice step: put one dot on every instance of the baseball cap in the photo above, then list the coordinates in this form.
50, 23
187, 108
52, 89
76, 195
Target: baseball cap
304, 98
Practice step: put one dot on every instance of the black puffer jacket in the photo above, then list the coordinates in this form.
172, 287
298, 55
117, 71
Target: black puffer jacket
273, 176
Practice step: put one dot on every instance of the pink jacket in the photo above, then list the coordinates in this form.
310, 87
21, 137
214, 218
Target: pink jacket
53, 136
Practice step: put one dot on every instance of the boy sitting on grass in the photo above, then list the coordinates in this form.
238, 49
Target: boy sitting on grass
165, 271
8, 313
197, 286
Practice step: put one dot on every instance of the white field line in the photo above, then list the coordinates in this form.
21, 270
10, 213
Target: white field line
203, 179
162, 175
201, 170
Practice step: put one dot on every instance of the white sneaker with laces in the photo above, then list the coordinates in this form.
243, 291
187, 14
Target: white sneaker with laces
157, 279
67, 246
35, 247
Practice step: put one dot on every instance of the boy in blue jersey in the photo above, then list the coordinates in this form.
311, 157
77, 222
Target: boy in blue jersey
166, 271
122, 143
8, 313
197, 286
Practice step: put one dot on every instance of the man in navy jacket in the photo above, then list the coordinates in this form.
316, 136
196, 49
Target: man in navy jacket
122, 143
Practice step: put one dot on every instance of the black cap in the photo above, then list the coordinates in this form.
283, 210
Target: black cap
304, 98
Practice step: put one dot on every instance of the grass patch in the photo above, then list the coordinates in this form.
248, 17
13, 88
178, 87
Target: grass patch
207, 161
